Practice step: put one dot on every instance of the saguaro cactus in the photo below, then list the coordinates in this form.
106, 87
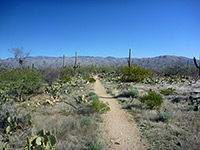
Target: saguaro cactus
63, 60
129, 59
33, 66
75, 66
198, 66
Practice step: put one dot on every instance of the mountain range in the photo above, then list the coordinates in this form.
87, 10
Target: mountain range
154, 62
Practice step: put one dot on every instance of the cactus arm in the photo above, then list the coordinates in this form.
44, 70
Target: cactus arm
195, 62
75, 66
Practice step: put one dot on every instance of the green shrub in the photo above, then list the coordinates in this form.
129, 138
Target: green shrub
167, 92
88, 78
3, 97
164, 116
66, 78
85, 121
2, 147
99, 106
95, 146
93, 96
92, 93
134, 73
130, 93
21, 82
152, 100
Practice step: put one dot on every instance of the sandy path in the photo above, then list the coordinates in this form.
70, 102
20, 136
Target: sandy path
118, 127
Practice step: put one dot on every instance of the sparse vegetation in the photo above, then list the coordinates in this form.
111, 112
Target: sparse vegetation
51, 95
175, 124
69, 109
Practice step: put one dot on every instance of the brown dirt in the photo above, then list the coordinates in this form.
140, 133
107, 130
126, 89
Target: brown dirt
119, 128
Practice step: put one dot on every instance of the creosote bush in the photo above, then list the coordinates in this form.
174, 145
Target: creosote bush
152, 100
66, 78
88, 78
167, 92
164, 116
93, 95
95, 146
130, 93
134, 73
98, 106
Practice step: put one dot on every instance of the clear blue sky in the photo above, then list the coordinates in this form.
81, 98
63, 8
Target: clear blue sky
101, 27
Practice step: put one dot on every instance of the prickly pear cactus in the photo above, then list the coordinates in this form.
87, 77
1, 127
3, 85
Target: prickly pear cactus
46, 141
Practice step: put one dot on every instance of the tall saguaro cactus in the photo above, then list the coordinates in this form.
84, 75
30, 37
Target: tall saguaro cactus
33, 66
198, 66
129, 59
75, 66
63, 61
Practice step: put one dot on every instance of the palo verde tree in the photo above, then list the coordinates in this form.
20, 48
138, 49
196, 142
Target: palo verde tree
20, 82
134, 73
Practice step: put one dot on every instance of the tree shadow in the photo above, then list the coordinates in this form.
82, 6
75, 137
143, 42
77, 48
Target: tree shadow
136, 106
103, 97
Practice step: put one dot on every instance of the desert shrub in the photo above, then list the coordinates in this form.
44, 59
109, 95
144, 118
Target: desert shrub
93, 95
178, 69
3, 97
21, 82
85, 70
85, 121
98, 106
95, 146
66, 78
50, 75
134, 73
152, 100
88, 78
164, 116
167, 92
130, 93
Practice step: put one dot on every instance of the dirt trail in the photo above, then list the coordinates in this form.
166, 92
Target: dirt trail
118, 127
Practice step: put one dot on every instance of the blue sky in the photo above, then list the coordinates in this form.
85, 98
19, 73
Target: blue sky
101, 27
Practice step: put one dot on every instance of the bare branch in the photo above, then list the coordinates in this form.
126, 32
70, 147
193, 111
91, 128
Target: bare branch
20, 54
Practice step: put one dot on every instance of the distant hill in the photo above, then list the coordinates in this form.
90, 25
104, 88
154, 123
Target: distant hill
44, 61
